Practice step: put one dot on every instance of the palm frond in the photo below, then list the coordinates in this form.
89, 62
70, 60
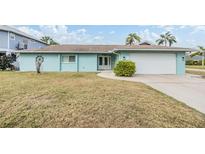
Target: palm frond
196, 54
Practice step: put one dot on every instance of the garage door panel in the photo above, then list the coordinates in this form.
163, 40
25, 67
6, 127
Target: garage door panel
154, 63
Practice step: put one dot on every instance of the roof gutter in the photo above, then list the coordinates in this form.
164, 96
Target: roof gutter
108, 52
29, 51
186, 49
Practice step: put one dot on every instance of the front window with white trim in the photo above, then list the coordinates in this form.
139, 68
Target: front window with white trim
69, 59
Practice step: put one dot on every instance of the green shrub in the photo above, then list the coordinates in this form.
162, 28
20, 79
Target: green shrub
189, 62
5, 62
124, 68
195, 62
192, 62
200, 62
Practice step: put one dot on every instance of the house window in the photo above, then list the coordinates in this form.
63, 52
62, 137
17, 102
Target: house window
25, 46
105, 60
100, 60
12, 36
68, 59
71, 59
25, 42
33, 41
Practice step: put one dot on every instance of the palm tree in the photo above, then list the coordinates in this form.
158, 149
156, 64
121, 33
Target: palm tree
166, 38
162, 40
49, 40
200, 53
132, 39
172, 40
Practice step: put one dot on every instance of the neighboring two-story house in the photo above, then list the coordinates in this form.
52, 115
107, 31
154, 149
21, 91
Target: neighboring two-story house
12, 39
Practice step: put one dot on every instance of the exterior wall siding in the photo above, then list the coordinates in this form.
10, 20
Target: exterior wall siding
84, 62
180, 56
32, 44
51, 62
114, 59
87, 63
3, 40
27, 62
124, 55
69, 67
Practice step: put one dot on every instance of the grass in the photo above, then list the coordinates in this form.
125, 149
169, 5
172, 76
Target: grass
195, 66
196, 72
85, 100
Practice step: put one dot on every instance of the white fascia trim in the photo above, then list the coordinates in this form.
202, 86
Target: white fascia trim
115, 50
4, 50
68, 52
108, 52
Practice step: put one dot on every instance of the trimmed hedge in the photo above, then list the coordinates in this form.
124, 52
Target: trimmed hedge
124, 68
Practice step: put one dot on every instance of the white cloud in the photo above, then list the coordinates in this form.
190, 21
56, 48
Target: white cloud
187, 43
62, 34
183, 26
98, 38
167, 27
112, 32
83, 30
146, 35
31, 31
199, 28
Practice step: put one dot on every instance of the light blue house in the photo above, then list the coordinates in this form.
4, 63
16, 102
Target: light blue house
11, 39
149, 59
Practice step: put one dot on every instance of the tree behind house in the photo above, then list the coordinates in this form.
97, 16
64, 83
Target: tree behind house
166, 39
132, 38
200, 53
49, 40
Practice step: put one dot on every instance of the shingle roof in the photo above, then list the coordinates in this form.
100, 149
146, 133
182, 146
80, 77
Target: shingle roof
103, 48
16, 31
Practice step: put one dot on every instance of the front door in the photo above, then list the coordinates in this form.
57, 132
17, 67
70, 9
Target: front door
104, 62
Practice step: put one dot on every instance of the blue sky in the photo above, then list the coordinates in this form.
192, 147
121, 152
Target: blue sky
187, 36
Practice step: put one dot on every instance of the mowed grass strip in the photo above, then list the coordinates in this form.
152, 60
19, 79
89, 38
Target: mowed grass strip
195, 66
85, 100
196, 72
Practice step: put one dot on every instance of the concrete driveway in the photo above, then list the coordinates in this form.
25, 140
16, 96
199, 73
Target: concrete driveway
189, 89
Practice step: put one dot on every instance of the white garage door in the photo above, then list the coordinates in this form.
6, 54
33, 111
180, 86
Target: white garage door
154, 63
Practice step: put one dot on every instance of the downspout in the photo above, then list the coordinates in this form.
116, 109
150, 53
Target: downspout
114, 52
60, 62
118, 56
8, 41
78, 62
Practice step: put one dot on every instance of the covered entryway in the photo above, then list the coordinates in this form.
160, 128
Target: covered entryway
104, 62
154, 63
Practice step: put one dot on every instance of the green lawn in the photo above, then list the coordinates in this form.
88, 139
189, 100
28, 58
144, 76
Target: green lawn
196, 72
85, 100
195, 66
